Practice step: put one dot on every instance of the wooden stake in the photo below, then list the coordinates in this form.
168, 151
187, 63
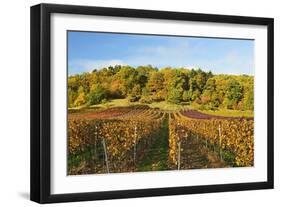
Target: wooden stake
95, 158
135, 145
105, 155
96, 138
179, 155
220, 141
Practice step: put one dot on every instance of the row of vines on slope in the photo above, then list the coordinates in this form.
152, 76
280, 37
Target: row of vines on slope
230, 135
111, 144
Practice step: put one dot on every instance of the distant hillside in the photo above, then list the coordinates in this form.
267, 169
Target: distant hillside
147, 84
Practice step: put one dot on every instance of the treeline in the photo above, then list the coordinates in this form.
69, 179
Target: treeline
148, 84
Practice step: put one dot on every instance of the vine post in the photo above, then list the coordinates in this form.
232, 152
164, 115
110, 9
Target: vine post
179, 155
105, 155
96, 138
95, 148
135, 145
220, 141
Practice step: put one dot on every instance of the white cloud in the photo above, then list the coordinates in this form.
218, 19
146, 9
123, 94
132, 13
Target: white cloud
168, 55
87, 65
176, 54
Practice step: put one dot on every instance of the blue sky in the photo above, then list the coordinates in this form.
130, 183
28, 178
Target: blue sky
90, 50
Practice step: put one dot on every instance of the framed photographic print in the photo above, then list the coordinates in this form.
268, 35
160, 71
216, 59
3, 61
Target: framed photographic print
133, 103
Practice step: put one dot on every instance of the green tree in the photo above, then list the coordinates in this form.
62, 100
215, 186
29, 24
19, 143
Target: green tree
234, 94
143, 73
248, 97
128, 77
136, 93
97, 94
186, 96
175, 87
174, 95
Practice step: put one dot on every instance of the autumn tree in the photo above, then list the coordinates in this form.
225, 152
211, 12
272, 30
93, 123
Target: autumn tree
155, 86
149, 84
81, 98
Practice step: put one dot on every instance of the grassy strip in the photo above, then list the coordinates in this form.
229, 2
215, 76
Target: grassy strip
163, 105
157, 157
75, 159
227, 112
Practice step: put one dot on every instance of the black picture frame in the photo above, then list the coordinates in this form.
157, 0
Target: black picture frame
41, 96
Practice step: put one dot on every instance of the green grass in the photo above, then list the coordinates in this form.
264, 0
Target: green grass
116, 103
157, 158
222, 111
227, 112
110, 104
163, 105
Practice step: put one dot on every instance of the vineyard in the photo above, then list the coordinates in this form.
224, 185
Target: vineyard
139, 138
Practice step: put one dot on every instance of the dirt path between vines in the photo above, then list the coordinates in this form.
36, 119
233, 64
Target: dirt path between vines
195, 155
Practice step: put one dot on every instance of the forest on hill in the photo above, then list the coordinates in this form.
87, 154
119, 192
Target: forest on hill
147, 84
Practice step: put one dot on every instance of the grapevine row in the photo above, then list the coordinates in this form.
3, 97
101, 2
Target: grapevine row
231, 135
114, 141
